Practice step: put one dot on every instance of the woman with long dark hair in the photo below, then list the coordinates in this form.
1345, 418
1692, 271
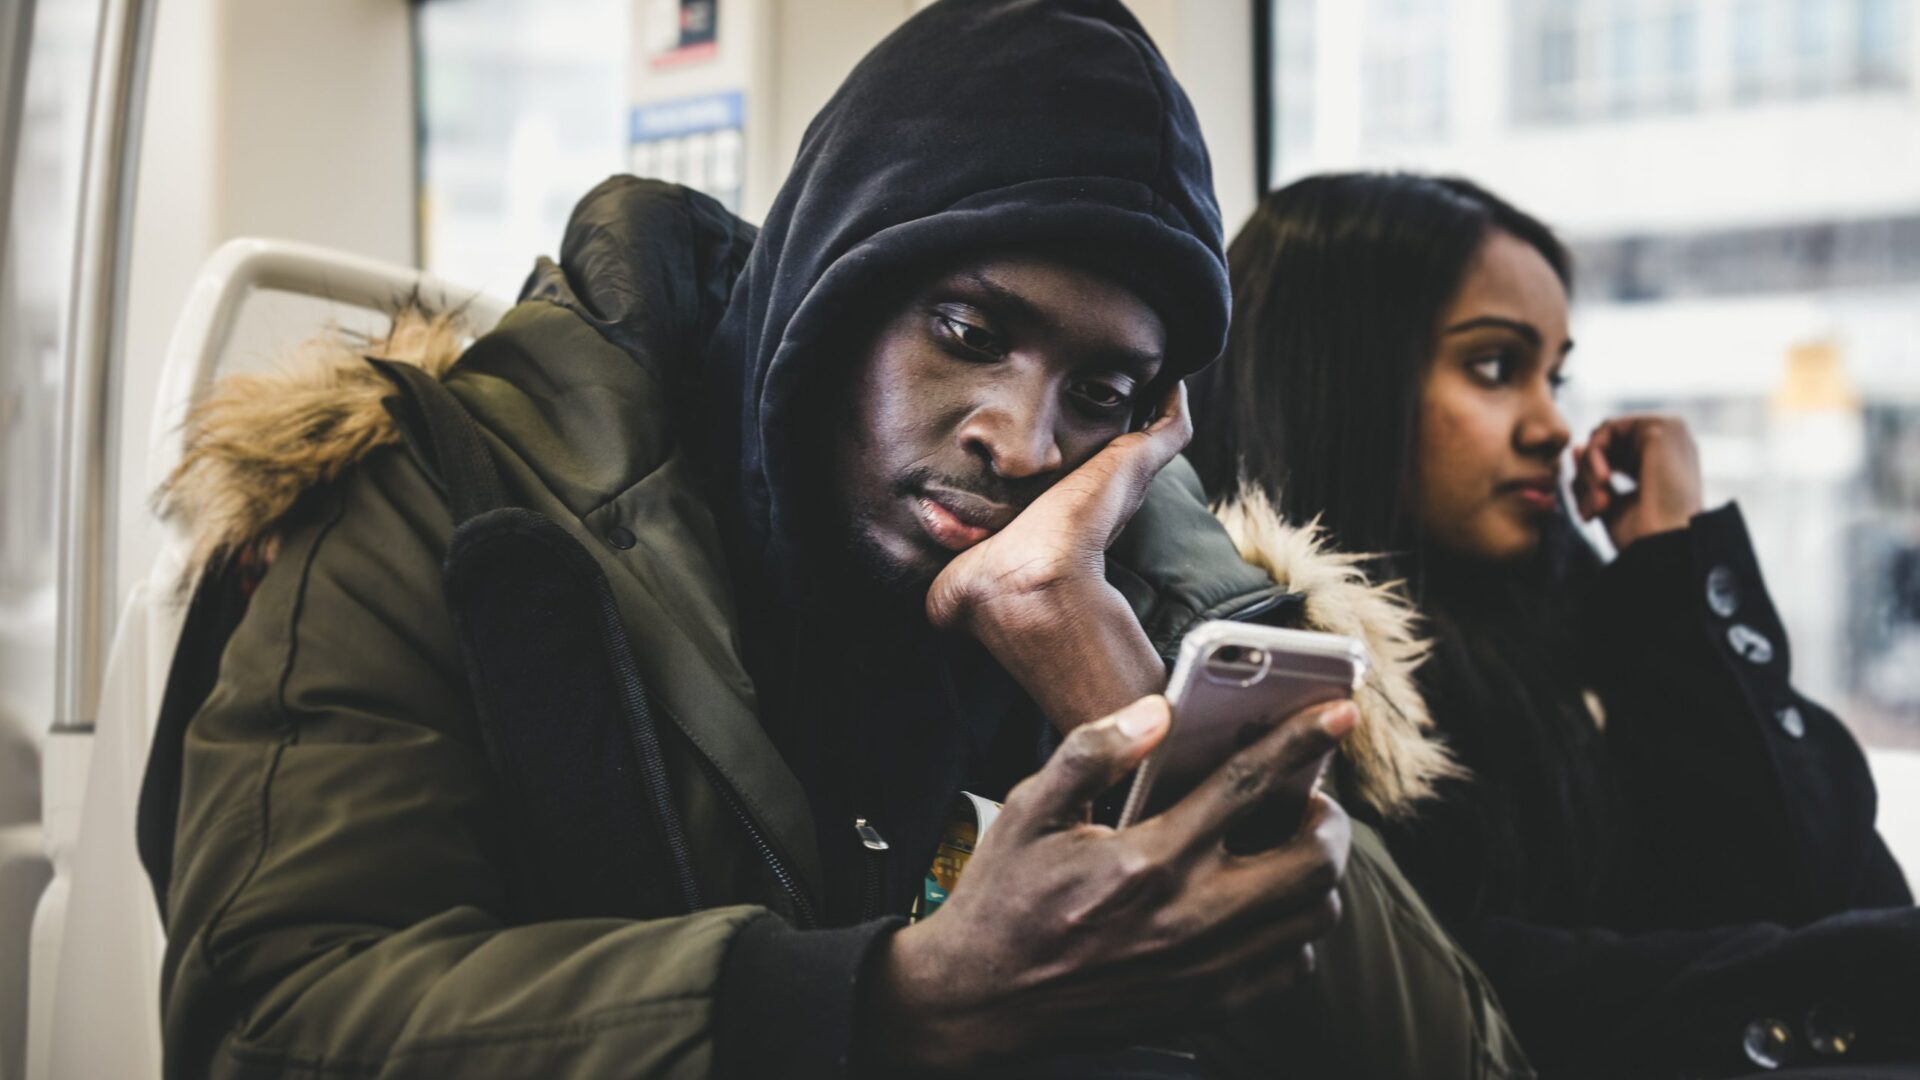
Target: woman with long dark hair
1662, 853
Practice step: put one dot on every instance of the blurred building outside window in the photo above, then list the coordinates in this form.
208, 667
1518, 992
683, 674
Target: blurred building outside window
1806, 48
1404, 80
1583, 59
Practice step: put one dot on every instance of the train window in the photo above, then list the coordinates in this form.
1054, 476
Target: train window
43, 120
522, 108
46, 67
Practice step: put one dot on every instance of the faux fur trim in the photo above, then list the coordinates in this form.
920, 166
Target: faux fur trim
1394, 763
259, 441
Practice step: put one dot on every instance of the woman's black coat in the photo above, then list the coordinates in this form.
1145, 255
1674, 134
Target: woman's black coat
1749, 909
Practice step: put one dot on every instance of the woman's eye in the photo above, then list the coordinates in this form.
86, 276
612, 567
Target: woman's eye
979, 339
1494, 368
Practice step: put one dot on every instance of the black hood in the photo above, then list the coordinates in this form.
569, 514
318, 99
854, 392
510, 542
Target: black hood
978, 125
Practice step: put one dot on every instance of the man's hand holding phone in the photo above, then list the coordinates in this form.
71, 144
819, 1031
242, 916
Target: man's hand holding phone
1065, 934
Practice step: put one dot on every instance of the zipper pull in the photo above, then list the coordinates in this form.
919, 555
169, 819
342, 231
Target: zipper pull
876, 868
869, 836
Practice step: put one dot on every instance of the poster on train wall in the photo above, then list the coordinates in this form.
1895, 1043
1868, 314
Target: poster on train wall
681, 32
698, 141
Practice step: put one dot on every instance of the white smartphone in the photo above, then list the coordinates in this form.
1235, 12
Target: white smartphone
1232, 684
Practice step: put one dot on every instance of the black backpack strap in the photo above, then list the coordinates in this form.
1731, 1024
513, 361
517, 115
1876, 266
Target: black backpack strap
464, 463
569, 725
561, 709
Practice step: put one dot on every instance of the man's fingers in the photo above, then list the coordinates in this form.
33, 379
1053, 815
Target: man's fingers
1101, 495
1093, 758
1174, 423
1253, 775
1305, 869
1142, 454
1269, 954
1266, 986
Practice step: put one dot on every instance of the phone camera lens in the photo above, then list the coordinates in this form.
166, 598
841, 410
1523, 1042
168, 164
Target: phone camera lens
1238, 665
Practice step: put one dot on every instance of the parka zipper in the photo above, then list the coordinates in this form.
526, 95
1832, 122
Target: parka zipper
803, 914
876, 868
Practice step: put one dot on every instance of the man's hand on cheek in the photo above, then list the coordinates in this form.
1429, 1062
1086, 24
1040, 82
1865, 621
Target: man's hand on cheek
1060, 540
1036, 592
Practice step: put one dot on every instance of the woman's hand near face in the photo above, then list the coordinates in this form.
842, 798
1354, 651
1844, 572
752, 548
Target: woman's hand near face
1659, 454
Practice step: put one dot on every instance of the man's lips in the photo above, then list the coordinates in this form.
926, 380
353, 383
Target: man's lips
960, 519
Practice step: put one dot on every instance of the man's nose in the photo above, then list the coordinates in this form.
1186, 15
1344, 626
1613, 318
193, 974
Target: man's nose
1014, 434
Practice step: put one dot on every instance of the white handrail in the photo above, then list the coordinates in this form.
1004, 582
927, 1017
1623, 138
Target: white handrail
239, 267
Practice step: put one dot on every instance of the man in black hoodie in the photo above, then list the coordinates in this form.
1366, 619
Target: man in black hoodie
996, 254
772, 545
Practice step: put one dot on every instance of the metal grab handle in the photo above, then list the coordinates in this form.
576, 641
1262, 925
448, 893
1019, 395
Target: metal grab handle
96, 328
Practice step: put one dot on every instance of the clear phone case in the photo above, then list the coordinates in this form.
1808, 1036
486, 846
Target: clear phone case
1233, 683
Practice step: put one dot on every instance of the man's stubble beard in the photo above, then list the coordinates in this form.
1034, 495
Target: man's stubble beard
876, 573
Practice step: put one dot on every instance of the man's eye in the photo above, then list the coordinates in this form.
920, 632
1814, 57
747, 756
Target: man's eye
979, 339
1102, 395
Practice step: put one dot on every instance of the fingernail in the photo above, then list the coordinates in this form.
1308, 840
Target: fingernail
1143, 718
1339, 719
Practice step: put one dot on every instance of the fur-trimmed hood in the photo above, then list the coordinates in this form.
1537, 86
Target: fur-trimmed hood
262, 440
1394, 762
